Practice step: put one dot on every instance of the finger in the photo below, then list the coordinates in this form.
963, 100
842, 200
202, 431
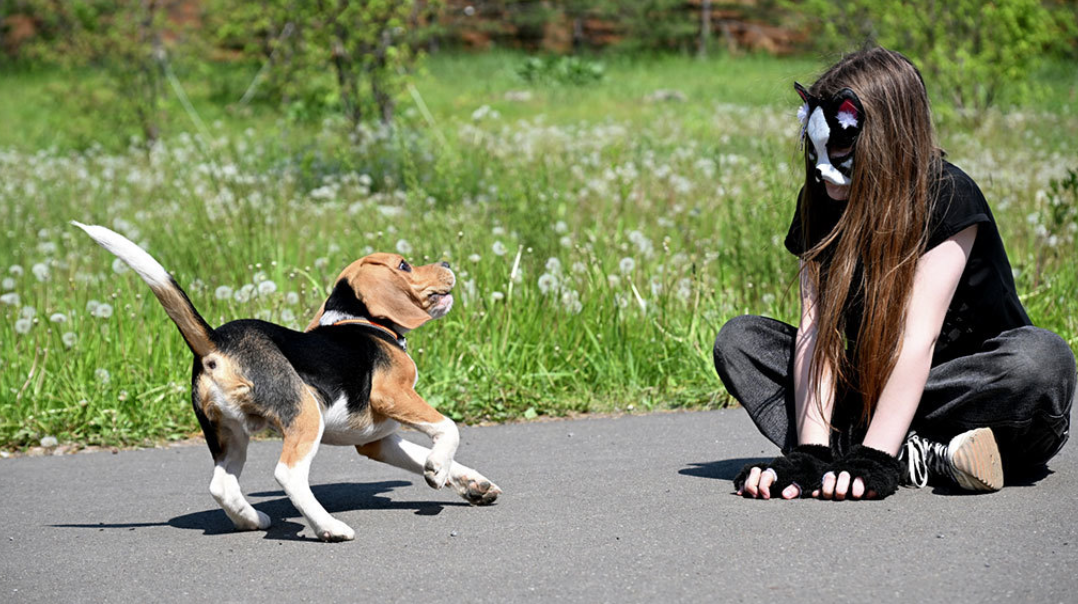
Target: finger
791, 492
828, 488
767, 478
870, 495
842, 486
858, 489
752, 483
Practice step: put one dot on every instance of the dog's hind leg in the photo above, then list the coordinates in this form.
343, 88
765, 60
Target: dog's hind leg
229, 456
396, 451
302, 434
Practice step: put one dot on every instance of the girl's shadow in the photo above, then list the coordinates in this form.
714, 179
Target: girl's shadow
724, 469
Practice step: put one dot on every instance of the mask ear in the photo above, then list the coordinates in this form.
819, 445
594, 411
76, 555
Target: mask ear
802, 92
386, 298
850, 113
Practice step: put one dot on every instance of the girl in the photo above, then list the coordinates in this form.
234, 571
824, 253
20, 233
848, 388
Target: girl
914, 360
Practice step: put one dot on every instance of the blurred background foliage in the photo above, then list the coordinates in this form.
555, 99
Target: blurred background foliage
357, 58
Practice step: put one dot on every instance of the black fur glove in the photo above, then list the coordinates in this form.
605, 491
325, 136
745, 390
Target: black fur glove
880, 471
804, 466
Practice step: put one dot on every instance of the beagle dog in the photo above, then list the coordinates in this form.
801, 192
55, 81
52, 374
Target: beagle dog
346, 380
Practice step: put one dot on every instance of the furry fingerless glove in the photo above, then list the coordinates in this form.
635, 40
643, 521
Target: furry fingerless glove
880, 471
804, 466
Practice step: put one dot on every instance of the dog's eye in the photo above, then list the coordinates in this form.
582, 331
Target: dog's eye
404, 266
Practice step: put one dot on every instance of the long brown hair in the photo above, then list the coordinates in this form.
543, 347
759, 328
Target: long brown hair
883, 228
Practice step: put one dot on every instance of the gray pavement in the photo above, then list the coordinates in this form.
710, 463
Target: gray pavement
631, 509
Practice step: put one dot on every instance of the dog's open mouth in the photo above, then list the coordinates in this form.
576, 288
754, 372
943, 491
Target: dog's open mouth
440, 303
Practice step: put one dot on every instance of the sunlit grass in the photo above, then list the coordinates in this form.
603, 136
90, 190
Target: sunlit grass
600, 240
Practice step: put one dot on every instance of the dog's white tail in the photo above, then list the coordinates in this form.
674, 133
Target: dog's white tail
196, 332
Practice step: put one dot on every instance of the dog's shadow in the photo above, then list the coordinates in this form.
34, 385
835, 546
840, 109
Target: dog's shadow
723, 469
337, 497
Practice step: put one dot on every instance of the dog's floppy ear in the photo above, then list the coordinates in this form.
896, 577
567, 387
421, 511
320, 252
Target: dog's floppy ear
388, 298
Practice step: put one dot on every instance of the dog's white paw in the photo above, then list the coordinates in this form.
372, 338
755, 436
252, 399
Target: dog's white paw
475, 489
436, 472
252, 522
334, 531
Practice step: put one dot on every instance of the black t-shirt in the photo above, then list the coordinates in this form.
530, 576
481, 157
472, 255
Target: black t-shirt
985, 303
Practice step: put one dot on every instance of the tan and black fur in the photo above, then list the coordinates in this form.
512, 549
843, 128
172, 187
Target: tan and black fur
346, 380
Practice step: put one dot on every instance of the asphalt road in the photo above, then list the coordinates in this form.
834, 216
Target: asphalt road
631, 509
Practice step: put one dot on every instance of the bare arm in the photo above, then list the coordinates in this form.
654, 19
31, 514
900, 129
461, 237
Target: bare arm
934, 283
811, 414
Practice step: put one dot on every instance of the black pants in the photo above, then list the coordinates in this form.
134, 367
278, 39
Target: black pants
1021, 384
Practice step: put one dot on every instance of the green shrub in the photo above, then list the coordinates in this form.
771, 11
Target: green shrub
969, 50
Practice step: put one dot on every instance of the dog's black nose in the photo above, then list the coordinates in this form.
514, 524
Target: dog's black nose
445, 264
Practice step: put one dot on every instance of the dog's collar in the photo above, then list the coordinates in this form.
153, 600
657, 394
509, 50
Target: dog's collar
399, 339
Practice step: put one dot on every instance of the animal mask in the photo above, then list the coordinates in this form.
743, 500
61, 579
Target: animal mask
834, 123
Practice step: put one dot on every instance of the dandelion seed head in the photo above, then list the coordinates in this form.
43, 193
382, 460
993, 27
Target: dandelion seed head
570, 300
561, 228
626, 265
16, 270
10, 298
102, 375
119, 266
403, 247
291, 298
548, 283
321, 262
58, 317
266, 288
22, 326
223, 292
474, 258
498, 248
8, 283
497, 296
102, 311
41, 271
69, 338
553, 266
287, 316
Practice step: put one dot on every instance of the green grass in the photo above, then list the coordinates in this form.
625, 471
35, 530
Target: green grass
665, 220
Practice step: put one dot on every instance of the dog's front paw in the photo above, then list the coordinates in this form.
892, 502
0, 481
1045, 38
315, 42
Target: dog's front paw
436, 472
257, 521
476, 490
335, 531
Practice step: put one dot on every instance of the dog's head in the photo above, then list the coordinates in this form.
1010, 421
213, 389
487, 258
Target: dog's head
389, 289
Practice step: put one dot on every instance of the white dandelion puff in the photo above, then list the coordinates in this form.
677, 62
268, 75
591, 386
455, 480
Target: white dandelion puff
119, 266
291, 298
28, 312
16, 270
553, 266
474, 258
287, 316
9, 283
321, 262
768, 299
102, 375
69, 338
548, 283
570, 300
561, 228
497, 296
266, 288
223, 292
41, 271
498, 248
626, 265
103, 311
22, 326
403, 247
58, 317
10, 298
614, 281
91, 306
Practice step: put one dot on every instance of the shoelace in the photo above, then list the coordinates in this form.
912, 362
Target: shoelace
926, 458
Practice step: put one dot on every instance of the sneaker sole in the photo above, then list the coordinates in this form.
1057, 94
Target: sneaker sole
975, 460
